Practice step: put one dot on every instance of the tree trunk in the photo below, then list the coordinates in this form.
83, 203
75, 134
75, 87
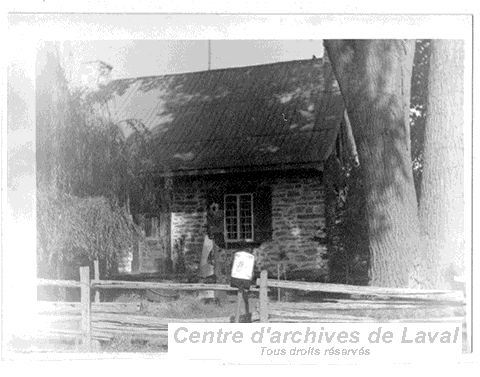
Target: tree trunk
374, 78
441, 202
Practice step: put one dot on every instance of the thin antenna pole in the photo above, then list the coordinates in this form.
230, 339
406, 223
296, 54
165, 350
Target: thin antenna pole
209, 54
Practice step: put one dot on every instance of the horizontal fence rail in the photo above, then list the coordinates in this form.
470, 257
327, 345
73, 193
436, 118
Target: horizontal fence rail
115, 284
99, 321
380, 292
58, 283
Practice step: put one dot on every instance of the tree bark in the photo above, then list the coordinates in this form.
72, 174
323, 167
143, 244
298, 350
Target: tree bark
374, 78
441, 202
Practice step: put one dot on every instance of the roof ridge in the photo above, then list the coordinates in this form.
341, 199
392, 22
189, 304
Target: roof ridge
320, 60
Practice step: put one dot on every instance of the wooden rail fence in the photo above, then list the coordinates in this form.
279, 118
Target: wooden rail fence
337, 303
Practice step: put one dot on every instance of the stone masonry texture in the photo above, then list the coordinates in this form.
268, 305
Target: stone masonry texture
298, 222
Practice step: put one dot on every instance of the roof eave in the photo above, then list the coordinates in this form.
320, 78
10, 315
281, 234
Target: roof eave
319, 166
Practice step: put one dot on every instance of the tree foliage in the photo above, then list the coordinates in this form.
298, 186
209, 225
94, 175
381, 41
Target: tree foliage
73, 230
346, 228
80, 150
85, 171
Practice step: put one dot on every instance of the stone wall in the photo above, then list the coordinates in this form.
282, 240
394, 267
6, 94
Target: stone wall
298, 222
188, 221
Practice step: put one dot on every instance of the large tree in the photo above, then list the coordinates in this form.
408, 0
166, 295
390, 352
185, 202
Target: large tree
441, 202
407, 248
375, 78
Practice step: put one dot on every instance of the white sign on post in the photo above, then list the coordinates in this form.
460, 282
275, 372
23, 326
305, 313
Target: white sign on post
242, 269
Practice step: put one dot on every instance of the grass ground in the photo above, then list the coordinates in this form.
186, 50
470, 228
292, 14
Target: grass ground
187, 306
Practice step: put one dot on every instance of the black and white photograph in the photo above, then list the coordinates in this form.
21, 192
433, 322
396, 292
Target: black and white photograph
258, 181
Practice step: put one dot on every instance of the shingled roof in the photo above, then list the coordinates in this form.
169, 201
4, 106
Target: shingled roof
273, 116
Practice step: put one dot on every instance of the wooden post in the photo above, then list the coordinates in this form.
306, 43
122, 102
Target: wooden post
263, 296
245, 301
86, 307
239, 301
96, 275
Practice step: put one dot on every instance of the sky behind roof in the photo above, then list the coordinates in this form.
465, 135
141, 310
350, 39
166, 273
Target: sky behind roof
137, 58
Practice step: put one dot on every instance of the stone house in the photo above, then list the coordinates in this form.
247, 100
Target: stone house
239, 155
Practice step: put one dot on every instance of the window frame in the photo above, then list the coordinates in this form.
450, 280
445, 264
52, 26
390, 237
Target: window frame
252, 218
